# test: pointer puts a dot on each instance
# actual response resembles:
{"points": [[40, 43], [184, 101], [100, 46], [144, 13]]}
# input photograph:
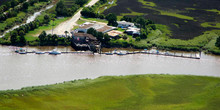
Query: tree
{"points": [[61, 9], [21, 33], [13, 38], [25, 5], [112, 19], [124, 37], [92, 31], [217, 44], [138, 39], [42, 37], [22, 40], [80, 2], [46, 19], [141, 21]]}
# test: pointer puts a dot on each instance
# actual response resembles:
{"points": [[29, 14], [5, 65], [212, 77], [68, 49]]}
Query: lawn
{"points": [[136, 92], [37, 31], [95, 19]]}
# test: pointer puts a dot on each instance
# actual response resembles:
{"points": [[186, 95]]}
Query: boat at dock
{"points": [[54, 52], [40, 52], [21, 51], [121, 53], [109, 53]]}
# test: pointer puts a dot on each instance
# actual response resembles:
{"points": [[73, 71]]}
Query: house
{"points": [[98, 27], [133, 31], [124, 24], [83, 41], [82, 38]]}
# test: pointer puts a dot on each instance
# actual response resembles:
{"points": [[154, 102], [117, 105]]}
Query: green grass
{"points": [[37, 31], [176, 15], [214, 10], [136, 92], [173, 13], [210, 24], [147, 3], [131, 13], [95, 19]]}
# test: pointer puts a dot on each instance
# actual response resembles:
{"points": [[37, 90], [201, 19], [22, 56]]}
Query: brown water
{"points": [[17, 71]]}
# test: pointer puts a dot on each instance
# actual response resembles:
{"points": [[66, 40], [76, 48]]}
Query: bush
{"points": [[217, 44]]}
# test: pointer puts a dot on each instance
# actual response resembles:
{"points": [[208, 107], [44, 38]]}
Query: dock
{"points": [[191, 56], [161, 54]]}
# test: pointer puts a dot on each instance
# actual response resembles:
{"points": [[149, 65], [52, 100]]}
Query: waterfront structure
{"points": [[83, 41]]}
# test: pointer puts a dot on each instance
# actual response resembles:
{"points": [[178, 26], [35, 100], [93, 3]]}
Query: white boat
{"points": [[115, 52], [54, 52], [121, 53], [21, 51]]}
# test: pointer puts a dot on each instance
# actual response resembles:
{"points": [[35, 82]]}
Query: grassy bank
{"points": [[137, 92]]}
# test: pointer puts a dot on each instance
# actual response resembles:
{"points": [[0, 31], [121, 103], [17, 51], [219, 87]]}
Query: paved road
{"points": [[68, 25]]}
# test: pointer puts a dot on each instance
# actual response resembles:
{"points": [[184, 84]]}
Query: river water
{"points": [[17, 71]]}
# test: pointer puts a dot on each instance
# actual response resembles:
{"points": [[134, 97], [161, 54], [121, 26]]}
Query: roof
{"points": [[97, 27], [114, 33], [104, 29], [125, 22], [84, 35]]}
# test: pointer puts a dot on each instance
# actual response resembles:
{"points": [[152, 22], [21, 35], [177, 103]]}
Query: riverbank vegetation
{"points": [[136, 92]]}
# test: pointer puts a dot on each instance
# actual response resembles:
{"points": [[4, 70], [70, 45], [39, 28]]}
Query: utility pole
{"points": [[52, 25]]}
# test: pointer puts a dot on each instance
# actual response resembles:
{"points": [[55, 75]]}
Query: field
{"points": [[137, 92], [186, 18]]}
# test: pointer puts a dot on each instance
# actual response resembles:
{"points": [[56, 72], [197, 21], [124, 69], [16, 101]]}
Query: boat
{"points": [[21, 51], [40, 52], [109, 53], [120, 53], [54, 52], [115, 51]]}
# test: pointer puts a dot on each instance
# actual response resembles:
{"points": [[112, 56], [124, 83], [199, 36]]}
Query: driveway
{"points": [[68, 25]]}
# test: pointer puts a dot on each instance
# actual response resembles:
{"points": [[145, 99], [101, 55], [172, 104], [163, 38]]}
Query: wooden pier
{"points": [[161, 54], [126, 53]]}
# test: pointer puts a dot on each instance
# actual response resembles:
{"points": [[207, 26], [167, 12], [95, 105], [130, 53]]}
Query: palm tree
{"points": [[66, 32]]}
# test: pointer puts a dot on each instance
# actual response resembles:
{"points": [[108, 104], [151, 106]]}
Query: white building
{"points": [[98, 27], [124, 24]]}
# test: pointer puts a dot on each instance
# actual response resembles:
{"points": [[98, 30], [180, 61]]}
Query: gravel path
{"points": [[68, 25]]}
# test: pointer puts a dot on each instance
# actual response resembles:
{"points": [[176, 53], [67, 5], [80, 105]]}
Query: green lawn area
{"points": [[32, 35], [136, 92], [95, 19]]}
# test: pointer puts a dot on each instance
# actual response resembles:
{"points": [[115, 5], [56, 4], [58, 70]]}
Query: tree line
{"points": [[103, 38], [53, 40]]}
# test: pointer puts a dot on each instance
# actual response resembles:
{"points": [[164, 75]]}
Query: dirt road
{"points": [[68, 25]]}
